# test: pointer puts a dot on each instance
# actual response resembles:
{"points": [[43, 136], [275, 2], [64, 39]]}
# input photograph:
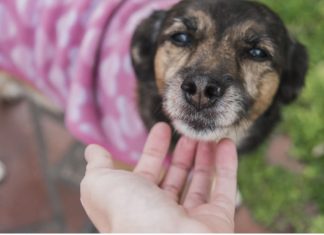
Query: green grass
{"points": [[279, 199]]}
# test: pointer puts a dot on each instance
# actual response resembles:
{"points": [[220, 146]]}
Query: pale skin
{"points": [[150, 198]]}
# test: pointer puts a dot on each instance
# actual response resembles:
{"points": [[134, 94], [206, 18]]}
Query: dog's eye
{"points": [[258, 54], [181, 39]]}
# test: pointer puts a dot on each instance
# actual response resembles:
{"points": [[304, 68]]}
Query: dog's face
{"points": [[219, 65]]}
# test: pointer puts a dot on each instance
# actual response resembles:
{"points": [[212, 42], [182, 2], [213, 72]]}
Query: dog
{"points": [[210, 68], [216, 69]]}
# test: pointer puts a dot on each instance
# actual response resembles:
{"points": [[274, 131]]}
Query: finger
{"points": [[178, 171], [201, 179], [97, 157], [224, 191], [155, 150]]}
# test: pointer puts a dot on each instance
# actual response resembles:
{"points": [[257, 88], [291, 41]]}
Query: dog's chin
{"points": [[223, 120], [200, 131]]}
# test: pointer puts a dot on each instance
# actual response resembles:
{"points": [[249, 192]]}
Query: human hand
{"points": [[143, 201]]}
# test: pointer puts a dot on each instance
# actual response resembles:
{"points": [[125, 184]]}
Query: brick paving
{"points": [[44, 166], [41, 190], [278, 154]]}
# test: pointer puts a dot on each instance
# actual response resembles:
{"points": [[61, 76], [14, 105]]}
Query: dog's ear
{"points": [[144, 44], [293, 77]]}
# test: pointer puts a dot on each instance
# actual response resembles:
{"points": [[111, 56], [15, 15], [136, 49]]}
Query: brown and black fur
{"points": [[250, 90]]}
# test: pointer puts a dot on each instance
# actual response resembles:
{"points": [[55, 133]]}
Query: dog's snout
{"points": [[201, 91]]}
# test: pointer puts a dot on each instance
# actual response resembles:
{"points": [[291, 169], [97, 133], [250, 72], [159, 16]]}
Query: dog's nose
{"points": [[201, 91]]}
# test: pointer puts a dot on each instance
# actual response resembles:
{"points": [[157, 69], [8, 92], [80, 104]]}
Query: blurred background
{"points": [[282, 183]]}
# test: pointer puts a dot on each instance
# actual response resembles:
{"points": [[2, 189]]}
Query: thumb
{"points": [[97, 157]]}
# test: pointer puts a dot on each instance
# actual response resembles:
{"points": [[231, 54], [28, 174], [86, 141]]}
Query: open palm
{"points": [[151, 200]]}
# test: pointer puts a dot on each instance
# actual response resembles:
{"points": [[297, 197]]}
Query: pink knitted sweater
{"points": [[77, 53]]}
